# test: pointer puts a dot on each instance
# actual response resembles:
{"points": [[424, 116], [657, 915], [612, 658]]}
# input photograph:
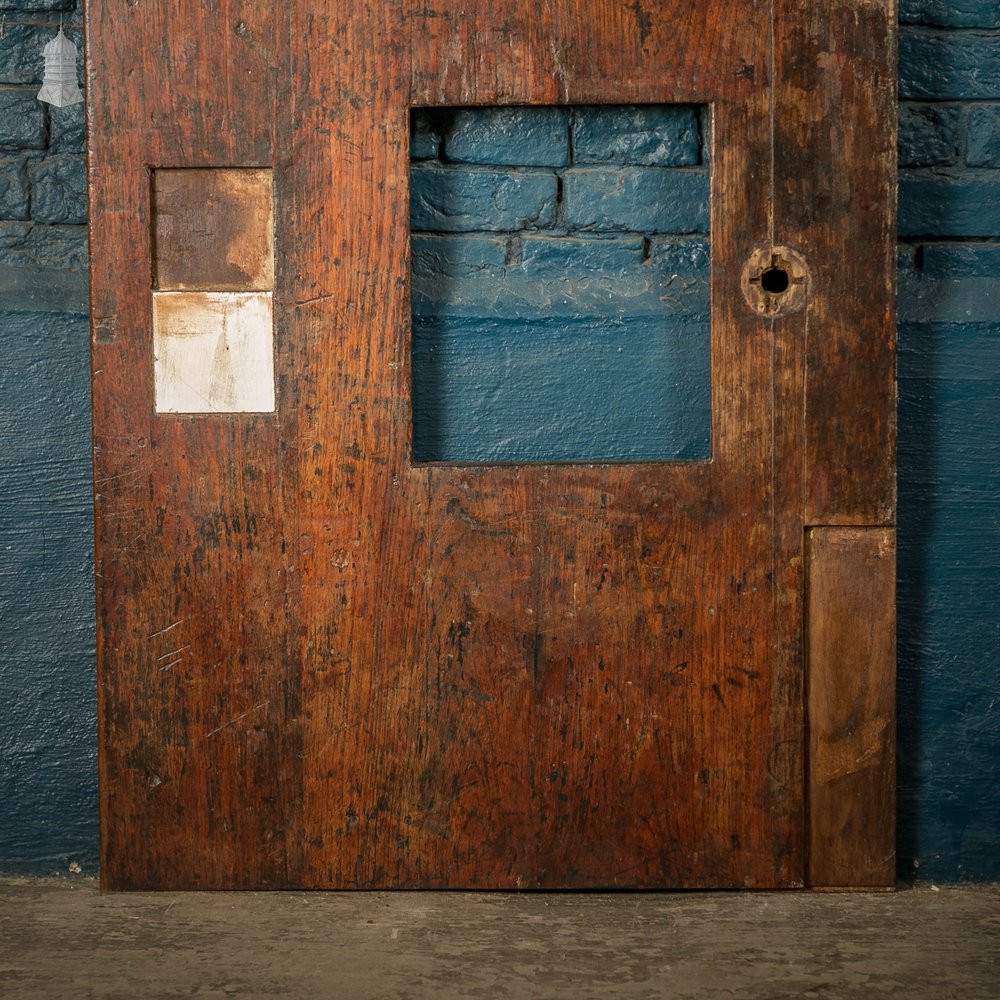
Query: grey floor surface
{"points": [[66, 940]]}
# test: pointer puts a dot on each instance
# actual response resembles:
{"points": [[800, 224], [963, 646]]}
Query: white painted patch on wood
{"points": [[213, 352]]}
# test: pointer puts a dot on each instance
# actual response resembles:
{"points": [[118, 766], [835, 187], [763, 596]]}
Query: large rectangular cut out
{"points": [[560, 284], [213, 276]]}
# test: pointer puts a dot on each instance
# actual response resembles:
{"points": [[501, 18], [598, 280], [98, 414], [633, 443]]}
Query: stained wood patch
{"points": [[213, 352], [213, 230], [851, 703]]}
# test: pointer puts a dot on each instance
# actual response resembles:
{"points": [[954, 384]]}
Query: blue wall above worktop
{"points": [[949, 386]]}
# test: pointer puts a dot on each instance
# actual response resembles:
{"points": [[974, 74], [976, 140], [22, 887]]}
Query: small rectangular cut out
{"points": [[213, 230], [213, 352], [560, 284]]}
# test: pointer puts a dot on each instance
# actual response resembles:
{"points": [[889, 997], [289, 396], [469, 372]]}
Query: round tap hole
{"points": [[775, 280]]}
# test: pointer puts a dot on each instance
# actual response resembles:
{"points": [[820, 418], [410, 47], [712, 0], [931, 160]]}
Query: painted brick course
{"points": [[59, 189], [949, 203], [14, 200], [637, 199], [953, 65], [983, 148], [523, 137], [66, 129], [960, 260], [446, 199], [22, 120], [929, 134], [43, 248], [644, 137], [951, 13], [36, 6], [609, 169], [535, 277]]}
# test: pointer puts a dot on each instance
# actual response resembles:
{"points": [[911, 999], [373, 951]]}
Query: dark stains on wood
{"points": [[835, 202], [505, 723], [213, 230], [444, 676], [198, 768]]}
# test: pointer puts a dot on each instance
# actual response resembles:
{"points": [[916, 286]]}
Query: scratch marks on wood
{"points": [[480, 685], [239, 718], [175, 656], [163, 631], [191, 510]]}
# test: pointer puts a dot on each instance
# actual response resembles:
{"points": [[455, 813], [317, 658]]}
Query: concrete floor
{"points": [[66, 940]]}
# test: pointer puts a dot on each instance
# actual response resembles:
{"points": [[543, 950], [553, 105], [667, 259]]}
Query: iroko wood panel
{"points": [[198, 768], [835, 199], [528, 675], [324, 665], [852, 707]]}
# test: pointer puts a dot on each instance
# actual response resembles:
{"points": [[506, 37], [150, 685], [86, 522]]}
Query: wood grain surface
{"points": [[835, 201], [852, 707], [324, 665], [198, 769]]}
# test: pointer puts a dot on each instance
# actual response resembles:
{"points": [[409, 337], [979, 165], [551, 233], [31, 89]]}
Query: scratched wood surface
{"points": [[323, 665], [535, 675], [852, 707], [835, 196], [197, 723], [834, 202]]}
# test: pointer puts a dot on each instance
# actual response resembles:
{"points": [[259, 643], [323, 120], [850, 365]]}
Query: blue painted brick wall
{"points": [[949, 448], [560, 308], [48, 770]]}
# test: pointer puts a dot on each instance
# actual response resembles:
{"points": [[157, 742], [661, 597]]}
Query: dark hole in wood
{"points": [[775, 280]]}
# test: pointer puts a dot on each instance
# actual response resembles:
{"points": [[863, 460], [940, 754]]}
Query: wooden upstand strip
{"points": [[851, 707]]}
